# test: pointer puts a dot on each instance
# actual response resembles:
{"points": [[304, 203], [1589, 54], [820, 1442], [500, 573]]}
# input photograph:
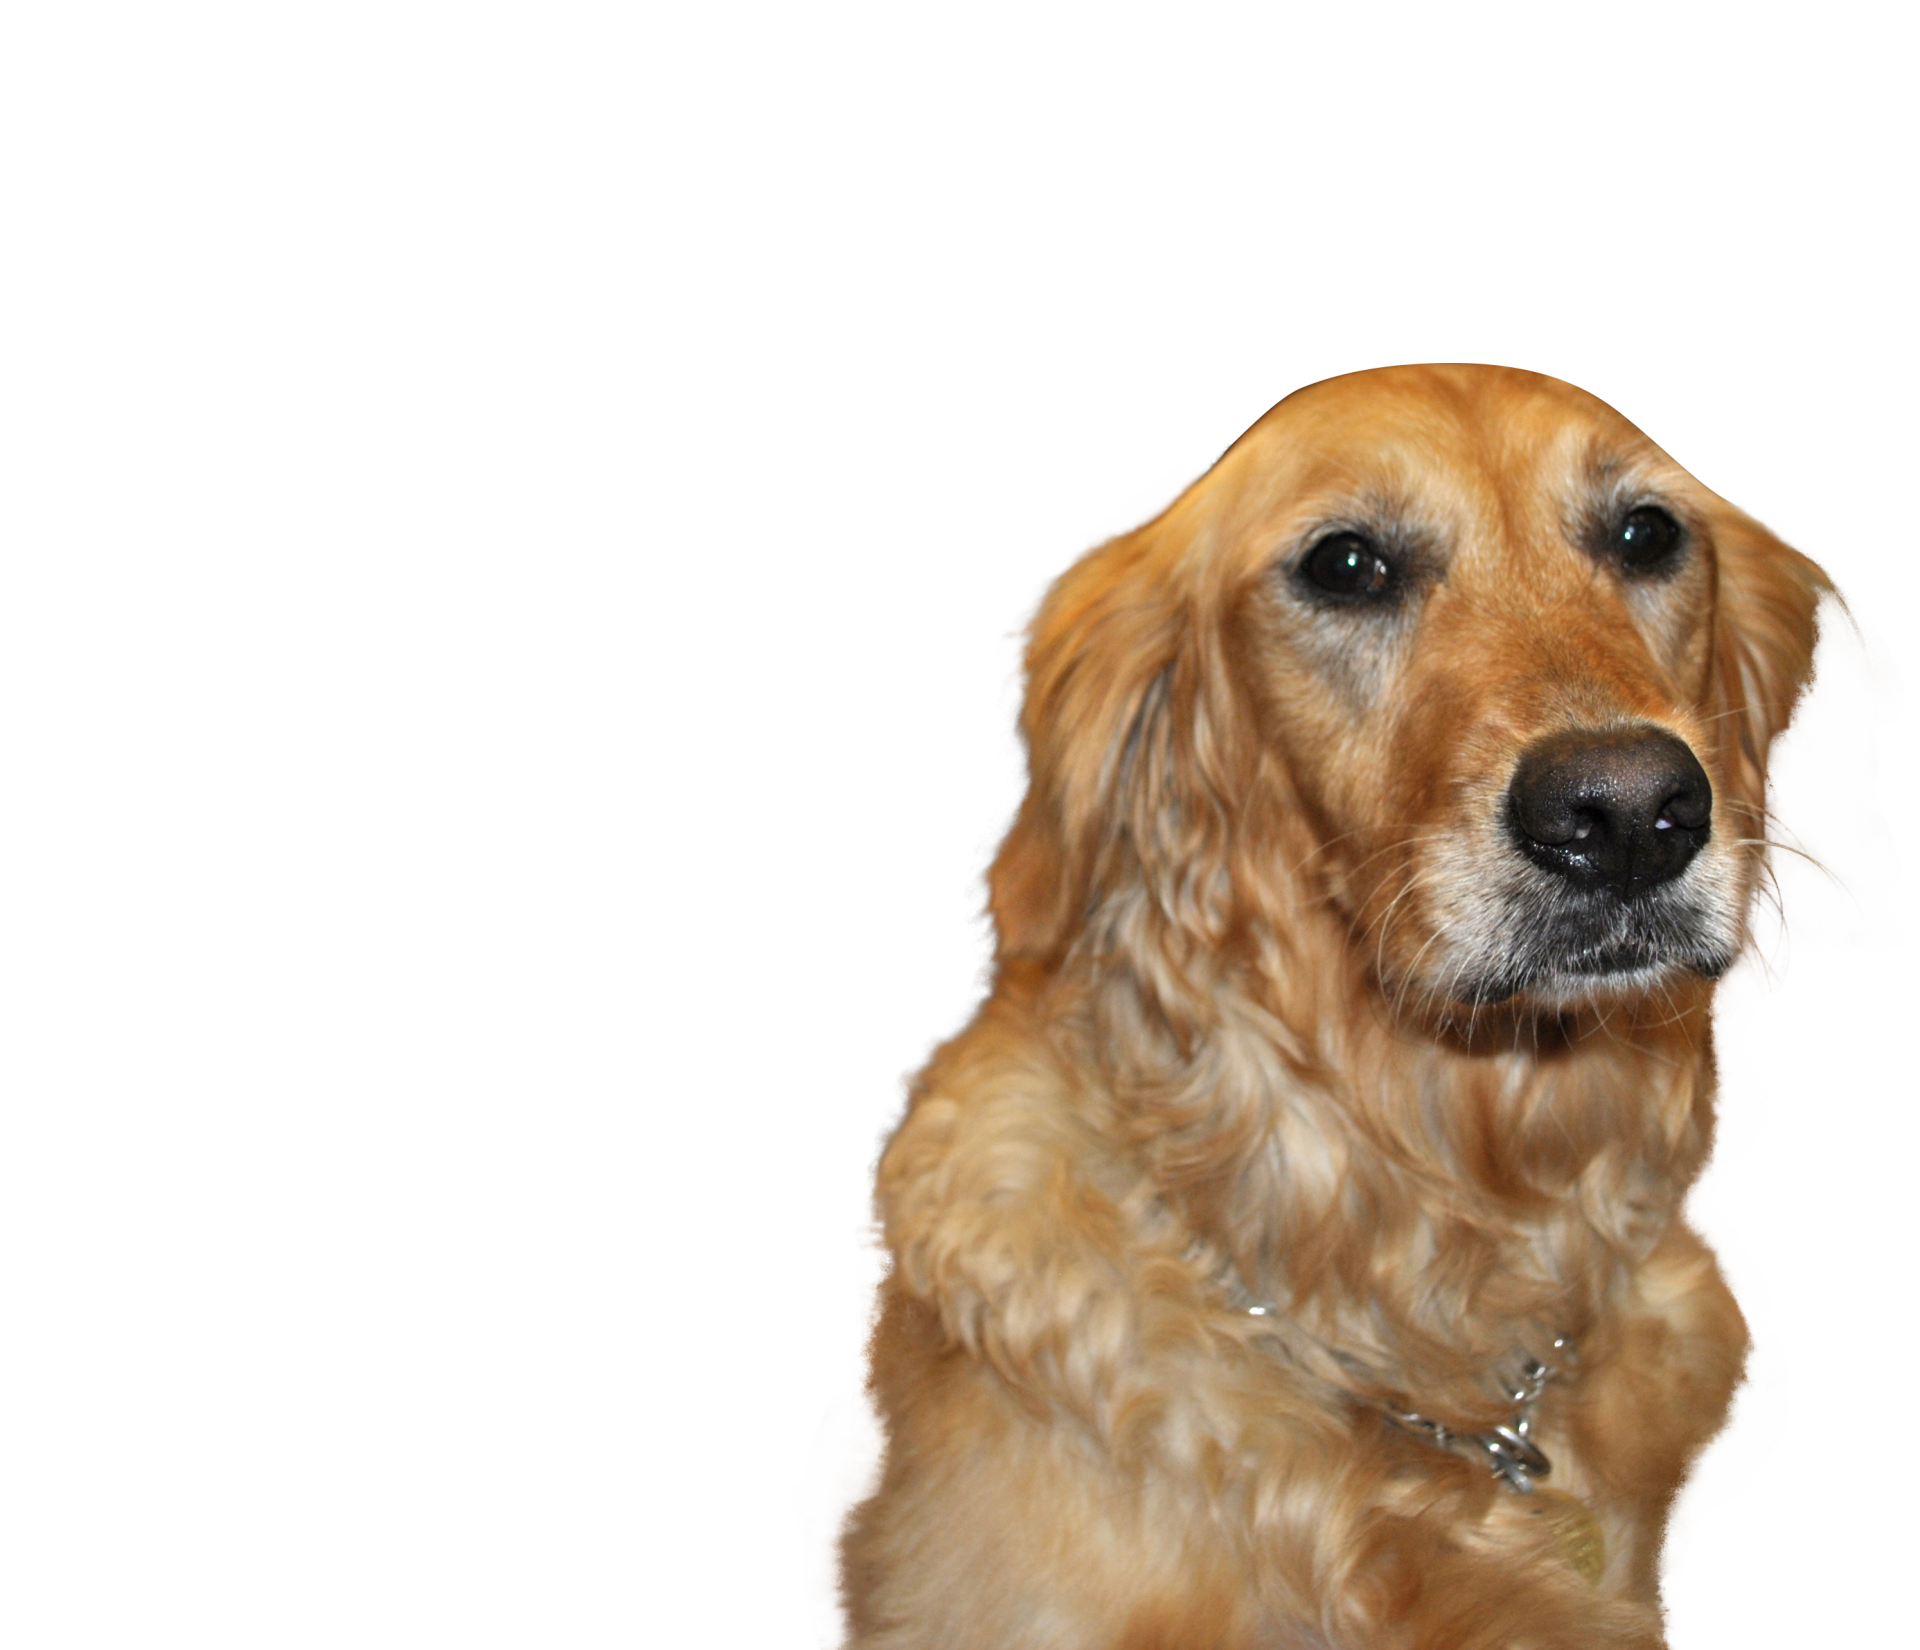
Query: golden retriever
{"points": [[1290, 1251]]}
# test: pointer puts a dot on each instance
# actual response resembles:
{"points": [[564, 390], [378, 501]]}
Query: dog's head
{"points": [[1454, 653]]}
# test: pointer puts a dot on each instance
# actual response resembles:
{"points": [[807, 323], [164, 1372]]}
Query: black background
{"points": [[930, 473]]}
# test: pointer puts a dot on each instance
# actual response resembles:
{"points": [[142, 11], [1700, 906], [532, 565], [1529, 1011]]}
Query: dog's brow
{"points": [[1398, 518], [1609, 485]]}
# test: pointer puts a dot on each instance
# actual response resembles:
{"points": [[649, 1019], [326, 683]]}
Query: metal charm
{"points": [[1510, 1452]]}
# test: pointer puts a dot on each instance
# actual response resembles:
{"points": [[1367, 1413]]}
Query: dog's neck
{"points": [[1424, 1204]]}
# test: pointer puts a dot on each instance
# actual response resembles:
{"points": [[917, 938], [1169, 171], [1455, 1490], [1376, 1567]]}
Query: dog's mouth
{"points": [[1560, 951], [1604, 964], [1500, 928], [1587, 979]]}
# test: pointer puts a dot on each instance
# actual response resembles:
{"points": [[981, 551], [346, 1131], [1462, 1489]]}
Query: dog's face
{"points": [[1516, 667], [1484, 638]]}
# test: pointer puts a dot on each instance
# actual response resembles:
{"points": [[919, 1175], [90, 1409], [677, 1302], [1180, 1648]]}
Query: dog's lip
{"points": [[1601, 965], [1602, 961], [1557, 977], [1638, 957], [1582, 970]]}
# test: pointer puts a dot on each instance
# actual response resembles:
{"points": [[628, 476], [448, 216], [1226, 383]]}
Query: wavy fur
{"points": [[1240, 1044]]}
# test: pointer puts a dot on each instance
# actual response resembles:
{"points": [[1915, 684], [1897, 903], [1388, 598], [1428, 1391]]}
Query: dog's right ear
{"points": [[1126, 737]]}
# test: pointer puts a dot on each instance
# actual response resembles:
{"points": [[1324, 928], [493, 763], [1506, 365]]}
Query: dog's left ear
{"points": [[1764, 633]]}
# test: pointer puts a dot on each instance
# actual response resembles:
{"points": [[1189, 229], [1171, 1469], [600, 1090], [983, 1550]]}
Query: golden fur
{"points": [[1241, 1044]]}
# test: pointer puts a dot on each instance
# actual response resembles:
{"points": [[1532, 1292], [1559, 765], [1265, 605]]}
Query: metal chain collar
{"points": [[1508, 1450]]}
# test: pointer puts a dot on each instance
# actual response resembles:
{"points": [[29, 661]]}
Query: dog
{"points": [[1290, 1252]]}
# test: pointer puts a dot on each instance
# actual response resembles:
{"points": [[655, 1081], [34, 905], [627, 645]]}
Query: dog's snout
{"points": [[1623, 811]]}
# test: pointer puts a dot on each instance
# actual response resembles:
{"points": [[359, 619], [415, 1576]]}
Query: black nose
{"points": [[1625, 811]]}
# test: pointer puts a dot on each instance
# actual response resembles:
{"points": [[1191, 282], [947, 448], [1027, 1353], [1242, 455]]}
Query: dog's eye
{"points": [[1647, 540], [1349, 566]]}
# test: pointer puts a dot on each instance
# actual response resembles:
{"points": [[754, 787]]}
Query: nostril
{"points": [[1689, 809]]}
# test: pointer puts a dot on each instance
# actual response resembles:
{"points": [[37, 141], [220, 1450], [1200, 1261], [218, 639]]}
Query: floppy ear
{"points": [[1764, 631], [1127, 750]]}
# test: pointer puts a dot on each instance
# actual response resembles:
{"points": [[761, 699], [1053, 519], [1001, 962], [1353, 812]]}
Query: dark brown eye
{"points": [[1648, 540], [1350, 567]]}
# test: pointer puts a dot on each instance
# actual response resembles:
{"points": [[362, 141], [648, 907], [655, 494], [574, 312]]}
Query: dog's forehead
{"points": [[1462, 429], [1464, 439]]}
